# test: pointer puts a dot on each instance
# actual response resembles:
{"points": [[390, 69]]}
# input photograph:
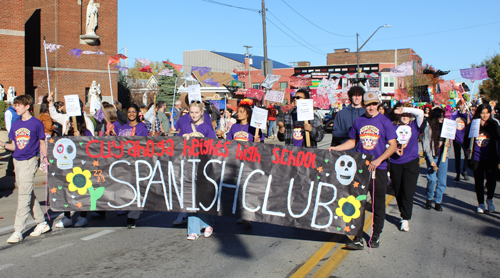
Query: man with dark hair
{"points": [[122, 117], [463, 118], [293, 131], [161, 106], [345, 117]]}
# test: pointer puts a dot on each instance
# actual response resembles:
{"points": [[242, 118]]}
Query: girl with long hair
{"points": [[434, 150], [242, 131], [485, 157]]}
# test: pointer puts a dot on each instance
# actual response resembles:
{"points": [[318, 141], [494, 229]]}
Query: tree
{"points": [[422, 79], [491, 86], [167, 88], [123, 90], [134, 72]]}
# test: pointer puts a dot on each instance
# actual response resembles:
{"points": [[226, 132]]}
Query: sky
{"points": [[450, 35]]}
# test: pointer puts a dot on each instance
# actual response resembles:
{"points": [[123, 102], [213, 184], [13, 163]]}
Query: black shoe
{"points": [[375, 241], [466, 177], [130, 223], [438, 207], [10, 173], [355, 244], [457, 178], [428, 204]]}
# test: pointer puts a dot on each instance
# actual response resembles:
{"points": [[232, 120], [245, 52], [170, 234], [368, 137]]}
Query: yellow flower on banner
{"points": [[348, 208], [79, 180]]}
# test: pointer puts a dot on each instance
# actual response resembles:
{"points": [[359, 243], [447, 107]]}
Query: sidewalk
{"points": [[8, 182]]}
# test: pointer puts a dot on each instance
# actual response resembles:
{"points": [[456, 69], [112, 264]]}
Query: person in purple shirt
{"points": [[242, 131], [462, 117], [28, 139], [404, 162], [373, 131], [198, 127], [133, 127], [485, 156]]}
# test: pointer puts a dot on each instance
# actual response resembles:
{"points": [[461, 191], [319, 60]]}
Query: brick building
{"points": [[23, 25]]}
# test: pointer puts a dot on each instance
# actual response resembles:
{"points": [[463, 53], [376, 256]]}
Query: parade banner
{"points": [[290, 186]]}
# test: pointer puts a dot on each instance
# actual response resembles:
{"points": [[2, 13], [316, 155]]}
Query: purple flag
{"points": [[121, 68], [75, 51], [167, 72], [99, 115], [52, 47], [201, 70], [474, 73], [88, 52], [211, 82], [216, 104], [144, 62]]}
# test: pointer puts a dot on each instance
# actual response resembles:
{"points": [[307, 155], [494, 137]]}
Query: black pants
{"points": [[489, 171], [404, 181], [458, 147], [378, 199]]}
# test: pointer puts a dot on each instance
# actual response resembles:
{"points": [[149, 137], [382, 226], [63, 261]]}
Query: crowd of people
{"points": [[391, 135]]}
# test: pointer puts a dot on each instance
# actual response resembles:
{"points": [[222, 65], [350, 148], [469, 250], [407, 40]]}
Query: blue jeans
{"points": [[198, 221], [270, 129], [438, 177]]}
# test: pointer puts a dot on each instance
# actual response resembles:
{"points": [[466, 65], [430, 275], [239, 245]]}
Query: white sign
{"points": [[449, 129], [72, 103], [150, 115], [275, 96], [259, 118], [474, 128], [194, 93], [305, 110]]}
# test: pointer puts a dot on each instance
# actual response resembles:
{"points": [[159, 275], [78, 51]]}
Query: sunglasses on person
{"points": [[195, 101], [299, 97]]}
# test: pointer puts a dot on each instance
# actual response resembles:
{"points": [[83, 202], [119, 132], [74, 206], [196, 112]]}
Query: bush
{"points": [[3, 106], [94, 122]]}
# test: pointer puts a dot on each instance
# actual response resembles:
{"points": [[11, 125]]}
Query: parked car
{"points": [[328, 121]]}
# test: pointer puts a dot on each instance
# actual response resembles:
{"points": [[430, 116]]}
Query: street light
{"points": [[359, 48]]}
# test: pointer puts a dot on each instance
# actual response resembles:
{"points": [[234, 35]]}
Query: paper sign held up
{"points": [[72, 103], [305, 110], [275, 96], [259, 118], [194, 93], [449, 129], [474, 128]]}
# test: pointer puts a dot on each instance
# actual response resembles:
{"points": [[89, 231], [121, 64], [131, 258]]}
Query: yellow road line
{"points": [[335, 259]]}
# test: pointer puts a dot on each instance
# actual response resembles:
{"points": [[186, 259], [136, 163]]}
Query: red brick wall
{"points": [[12, 47]]}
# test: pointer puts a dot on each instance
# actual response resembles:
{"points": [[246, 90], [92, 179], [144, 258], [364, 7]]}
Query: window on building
{"points": [[256, 85], [243, 86], [389, 82], [87, 97], [283, 86]]}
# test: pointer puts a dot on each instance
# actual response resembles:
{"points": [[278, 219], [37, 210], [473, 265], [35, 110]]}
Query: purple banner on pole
{"points": [[474, 73]]}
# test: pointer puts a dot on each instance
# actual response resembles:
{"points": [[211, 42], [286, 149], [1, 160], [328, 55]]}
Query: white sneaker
{"points": [[64, 223], [81, 222], [481, 208], [491, 206], [16, 237], [40, 229], [182, 218], [405, 225]]}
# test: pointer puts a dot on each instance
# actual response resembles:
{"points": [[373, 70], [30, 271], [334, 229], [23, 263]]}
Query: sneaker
{"points": [[40, 229], [375, 241], [491, 206], [481, 208], [192, 237], [438, 207], [16, 237], [355, 244], [457, 178], [405, 226], [182, 218], [466, 177], [208, 231], [130, 223], [64, 223], [81, 222]]}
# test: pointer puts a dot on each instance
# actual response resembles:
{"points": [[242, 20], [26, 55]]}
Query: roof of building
{"points": [[256, 60]]}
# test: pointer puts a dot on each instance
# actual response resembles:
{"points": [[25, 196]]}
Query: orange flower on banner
{"points": [[356, 184], [320, 169], [79, 205], [53, 190], [347, 229]]}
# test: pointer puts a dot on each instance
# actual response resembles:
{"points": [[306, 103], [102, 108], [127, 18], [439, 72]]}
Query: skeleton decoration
{"points": [[404, 134], [65, 153], [345, 168]]}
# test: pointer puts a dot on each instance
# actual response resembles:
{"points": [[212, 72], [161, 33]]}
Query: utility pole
{"points": [[265, 36], [249, 75]]}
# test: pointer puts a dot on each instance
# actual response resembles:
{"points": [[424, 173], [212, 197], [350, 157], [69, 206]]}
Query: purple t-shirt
{"points": [[126, 130], [88, 133], [245, 133], [481, 146], [205, 128], [372, 134], [26, 136], [461, 123], [187, 119], [407, 138]]}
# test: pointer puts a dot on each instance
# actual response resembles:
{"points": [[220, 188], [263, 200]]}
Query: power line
{"points": [[313, 23], [231, 6], [294, 38], [324, 53]]}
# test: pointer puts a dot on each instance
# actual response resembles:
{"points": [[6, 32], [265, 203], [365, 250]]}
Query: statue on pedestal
{"points": [[95, 97], [11, 94], [90, 36]]}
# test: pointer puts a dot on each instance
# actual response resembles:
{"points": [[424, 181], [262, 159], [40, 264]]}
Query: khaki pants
{"points": [[26, 199]]}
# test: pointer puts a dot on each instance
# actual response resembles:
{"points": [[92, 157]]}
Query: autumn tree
{"points": [[420, 79], [491, 85], [134, 73], [167, 87]]}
